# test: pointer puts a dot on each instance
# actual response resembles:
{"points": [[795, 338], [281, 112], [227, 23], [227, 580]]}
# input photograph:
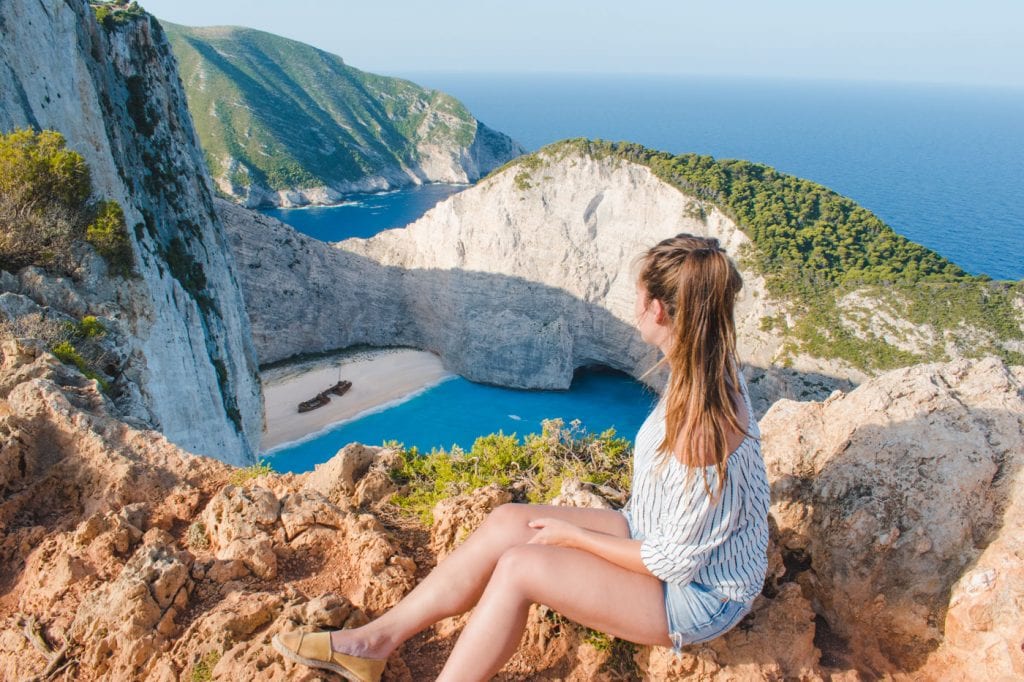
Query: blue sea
{"points": [[364, 215], [943, 166]]}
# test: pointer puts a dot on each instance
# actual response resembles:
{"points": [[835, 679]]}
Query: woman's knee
{"points": [[520, 566], [508, 516]]}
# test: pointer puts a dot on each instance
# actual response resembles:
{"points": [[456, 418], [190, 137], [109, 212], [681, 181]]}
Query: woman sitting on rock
{"points": [[680, 565]]}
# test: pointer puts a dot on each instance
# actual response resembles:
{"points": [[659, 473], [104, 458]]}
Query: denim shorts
{"points": [[696, 613]]}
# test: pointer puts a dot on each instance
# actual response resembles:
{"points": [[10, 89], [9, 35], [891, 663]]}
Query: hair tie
{"points": [[707, 250]]}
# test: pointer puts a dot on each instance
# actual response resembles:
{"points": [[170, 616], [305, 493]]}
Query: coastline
{"points": [[345, 197], [381, 377]]}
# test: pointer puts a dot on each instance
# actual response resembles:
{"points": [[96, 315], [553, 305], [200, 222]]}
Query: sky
{"points": [[979, 42]]}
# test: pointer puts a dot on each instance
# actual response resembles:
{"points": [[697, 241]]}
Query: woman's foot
{"points": [[357, 642], [315, 650]]}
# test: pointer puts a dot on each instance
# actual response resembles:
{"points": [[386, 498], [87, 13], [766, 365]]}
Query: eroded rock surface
{"points": [[133, 559], [895, 491], [126, 558]]}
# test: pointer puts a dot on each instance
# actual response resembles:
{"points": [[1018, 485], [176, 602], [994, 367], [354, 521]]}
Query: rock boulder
{"points": [[893, 491]]}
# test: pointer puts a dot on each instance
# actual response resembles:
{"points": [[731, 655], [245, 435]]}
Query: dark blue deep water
{"points": [[942, 165], [364, 215]]}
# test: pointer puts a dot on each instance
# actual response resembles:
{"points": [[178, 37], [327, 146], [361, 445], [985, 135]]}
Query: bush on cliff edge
{"points": [[45, 207]]}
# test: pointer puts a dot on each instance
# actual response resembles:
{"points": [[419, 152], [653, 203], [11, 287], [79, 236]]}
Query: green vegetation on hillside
{"points": [[45, 207], [282, 114], [535, 466], [814, 246]]}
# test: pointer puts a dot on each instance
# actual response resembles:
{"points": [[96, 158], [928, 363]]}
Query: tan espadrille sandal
{"points": [[314, 649]]}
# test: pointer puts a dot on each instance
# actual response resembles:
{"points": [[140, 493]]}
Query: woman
{"points": [[680, 565]]}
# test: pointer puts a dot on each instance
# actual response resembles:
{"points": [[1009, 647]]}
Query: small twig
{"points": [[30, 629], [67, 664], [55, 664], [56, 660]]}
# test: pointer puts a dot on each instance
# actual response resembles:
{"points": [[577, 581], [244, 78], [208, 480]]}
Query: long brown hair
{"points": [[697, 284]]}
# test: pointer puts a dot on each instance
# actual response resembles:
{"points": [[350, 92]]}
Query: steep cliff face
{"points": [[283, 123], [112, 90], [516, 281]]}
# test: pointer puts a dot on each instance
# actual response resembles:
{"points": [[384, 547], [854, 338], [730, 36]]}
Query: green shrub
{"points": [[113, 13], [202, 671], [108, 234], [45, 207], [90, 328], [69, 355], [535, 467], [44, 190], [37, 170], [242, 475]]}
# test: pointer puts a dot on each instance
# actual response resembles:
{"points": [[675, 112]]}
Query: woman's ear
{"points": [[660, 313]]}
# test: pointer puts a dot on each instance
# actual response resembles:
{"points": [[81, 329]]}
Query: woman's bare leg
{"points": [[581, 586], [455, 585]]}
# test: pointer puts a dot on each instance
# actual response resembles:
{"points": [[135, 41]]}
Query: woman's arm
{"points": [[623, 552]]}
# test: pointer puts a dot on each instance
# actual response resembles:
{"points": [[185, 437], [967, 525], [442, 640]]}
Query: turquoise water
{"points": [[457, 411]]}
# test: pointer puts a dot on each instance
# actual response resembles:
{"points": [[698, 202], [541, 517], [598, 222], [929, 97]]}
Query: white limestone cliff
{"points": [[516, 281], [115, 96]]}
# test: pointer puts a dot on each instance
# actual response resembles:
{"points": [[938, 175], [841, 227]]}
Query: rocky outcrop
{"points": [[124, 557], [517, 281], [982, 624], [455, 518], [904, 496], [895, 545], [112, 90], [358, 476]]}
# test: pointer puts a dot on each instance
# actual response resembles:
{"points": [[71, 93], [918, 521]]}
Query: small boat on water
{"points": [[319, 400], [340, 388]]}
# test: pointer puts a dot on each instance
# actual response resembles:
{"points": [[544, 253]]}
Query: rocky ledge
{"points": [[897, 513]]}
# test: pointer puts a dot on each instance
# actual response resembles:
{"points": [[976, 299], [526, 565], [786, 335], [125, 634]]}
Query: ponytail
{"points": [[697, 283]]}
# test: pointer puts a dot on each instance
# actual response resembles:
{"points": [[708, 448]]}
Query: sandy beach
{"points": [[378, 377]]}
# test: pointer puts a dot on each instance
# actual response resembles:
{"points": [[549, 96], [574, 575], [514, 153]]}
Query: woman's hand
{"points": [[555, 532], [623, 552]]}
